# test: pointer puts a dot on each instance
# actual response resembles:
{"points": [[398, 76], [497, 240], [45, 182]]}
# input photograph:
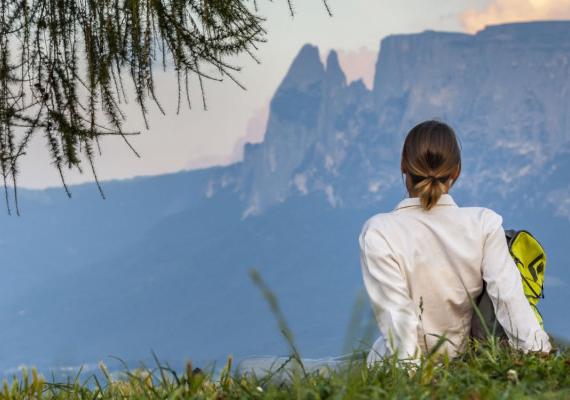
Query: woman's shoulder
{"points": [[381, 224], [378, 220], [487, 217], [375, 228]]}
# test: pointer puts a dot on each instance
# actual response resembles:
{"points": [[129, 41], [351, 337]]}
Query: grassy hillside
{"points": [[486, 371]]}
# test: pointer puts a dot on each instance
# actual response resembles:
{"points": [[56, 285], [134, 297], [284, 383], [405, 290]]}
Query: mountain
{"points": [[163, 263]]}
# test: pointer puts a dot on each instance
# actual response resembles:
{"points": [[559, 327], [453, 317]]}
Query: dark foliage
{"points": [[63, 63]]}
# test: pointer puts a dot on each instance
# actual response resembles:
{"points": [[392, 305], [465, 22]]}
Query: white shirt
{"points": [[420, 268]]}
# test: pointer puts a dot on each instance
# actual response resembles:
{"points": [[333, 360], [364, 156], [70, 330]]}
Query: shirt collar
{"points": [[444, 200]]}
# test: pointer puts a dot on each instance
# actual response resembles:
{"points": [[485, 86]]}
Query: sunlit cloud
{"points": [[358, 64], [503, 11]]}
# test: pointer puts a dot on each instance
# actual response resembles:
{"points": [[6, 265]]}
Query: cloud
{"points": [[503, 11], [357, 64], [560, 199]]}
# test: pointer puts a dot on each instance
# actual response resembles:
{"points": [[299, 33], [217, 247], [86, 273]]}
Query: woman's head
{"points": [[431, 160]]}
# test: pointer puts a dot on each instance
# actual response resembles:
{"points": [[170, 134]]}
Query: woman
{"points": [[425, 261]]}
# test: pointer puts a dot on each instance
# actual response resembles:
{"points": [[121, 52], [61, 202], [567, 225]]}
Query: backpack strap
{"points": [[510, 235]]}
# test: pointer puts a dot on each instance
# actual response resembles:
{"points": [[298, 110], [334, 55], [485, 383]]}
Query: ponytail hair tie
{"points": [[417, 178]]}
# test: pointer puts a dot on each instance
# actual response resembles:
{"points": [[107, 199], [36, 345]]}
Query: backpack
{"points": [[530, 259]]}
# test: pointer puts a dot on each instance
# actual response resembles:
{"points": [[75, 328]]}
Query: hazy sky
{"points": [[198, 138]]}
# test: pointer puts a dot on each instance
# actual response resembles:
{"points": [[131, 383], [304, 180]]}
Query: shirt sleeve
{"points": [[504, 287], [389, 295]]}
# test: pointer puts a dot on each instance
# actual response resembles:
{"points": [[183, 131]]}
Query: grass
{"points": [[487, 370]]}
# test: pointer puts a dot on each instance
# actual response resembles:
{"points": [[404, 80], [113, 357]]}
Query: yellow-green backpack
{"points": [[530, 258]]}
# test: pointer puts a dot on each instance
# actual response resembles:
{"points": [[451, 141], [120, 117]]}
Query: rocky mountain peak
{"points": [[334, 73], [344, 140], [305, 69]]}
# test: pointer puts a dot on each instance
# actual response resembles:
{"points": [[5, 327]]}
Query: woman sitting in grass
{"points": [[424, 262]]}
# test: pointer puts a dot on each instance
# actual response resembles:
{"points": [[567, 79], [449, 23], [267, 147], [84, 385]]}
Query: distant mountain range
{"points": [[163, 263]]}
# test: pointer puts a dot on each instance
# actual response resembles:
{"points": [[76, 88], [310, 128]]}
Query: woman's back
{"points": [[439, 254], [423, 268]]}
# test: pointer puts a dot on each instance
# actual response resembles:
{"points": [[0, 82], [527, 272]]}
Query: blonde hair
{"points": [[430, 156]]}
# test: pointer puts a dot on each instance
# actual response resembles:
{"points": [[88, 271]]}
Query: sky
{"points": [[198, 138]]}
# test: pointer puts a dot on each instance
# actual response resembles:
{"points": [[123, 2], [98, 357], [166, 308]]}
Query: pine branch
{"points": [[63, 65]]}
